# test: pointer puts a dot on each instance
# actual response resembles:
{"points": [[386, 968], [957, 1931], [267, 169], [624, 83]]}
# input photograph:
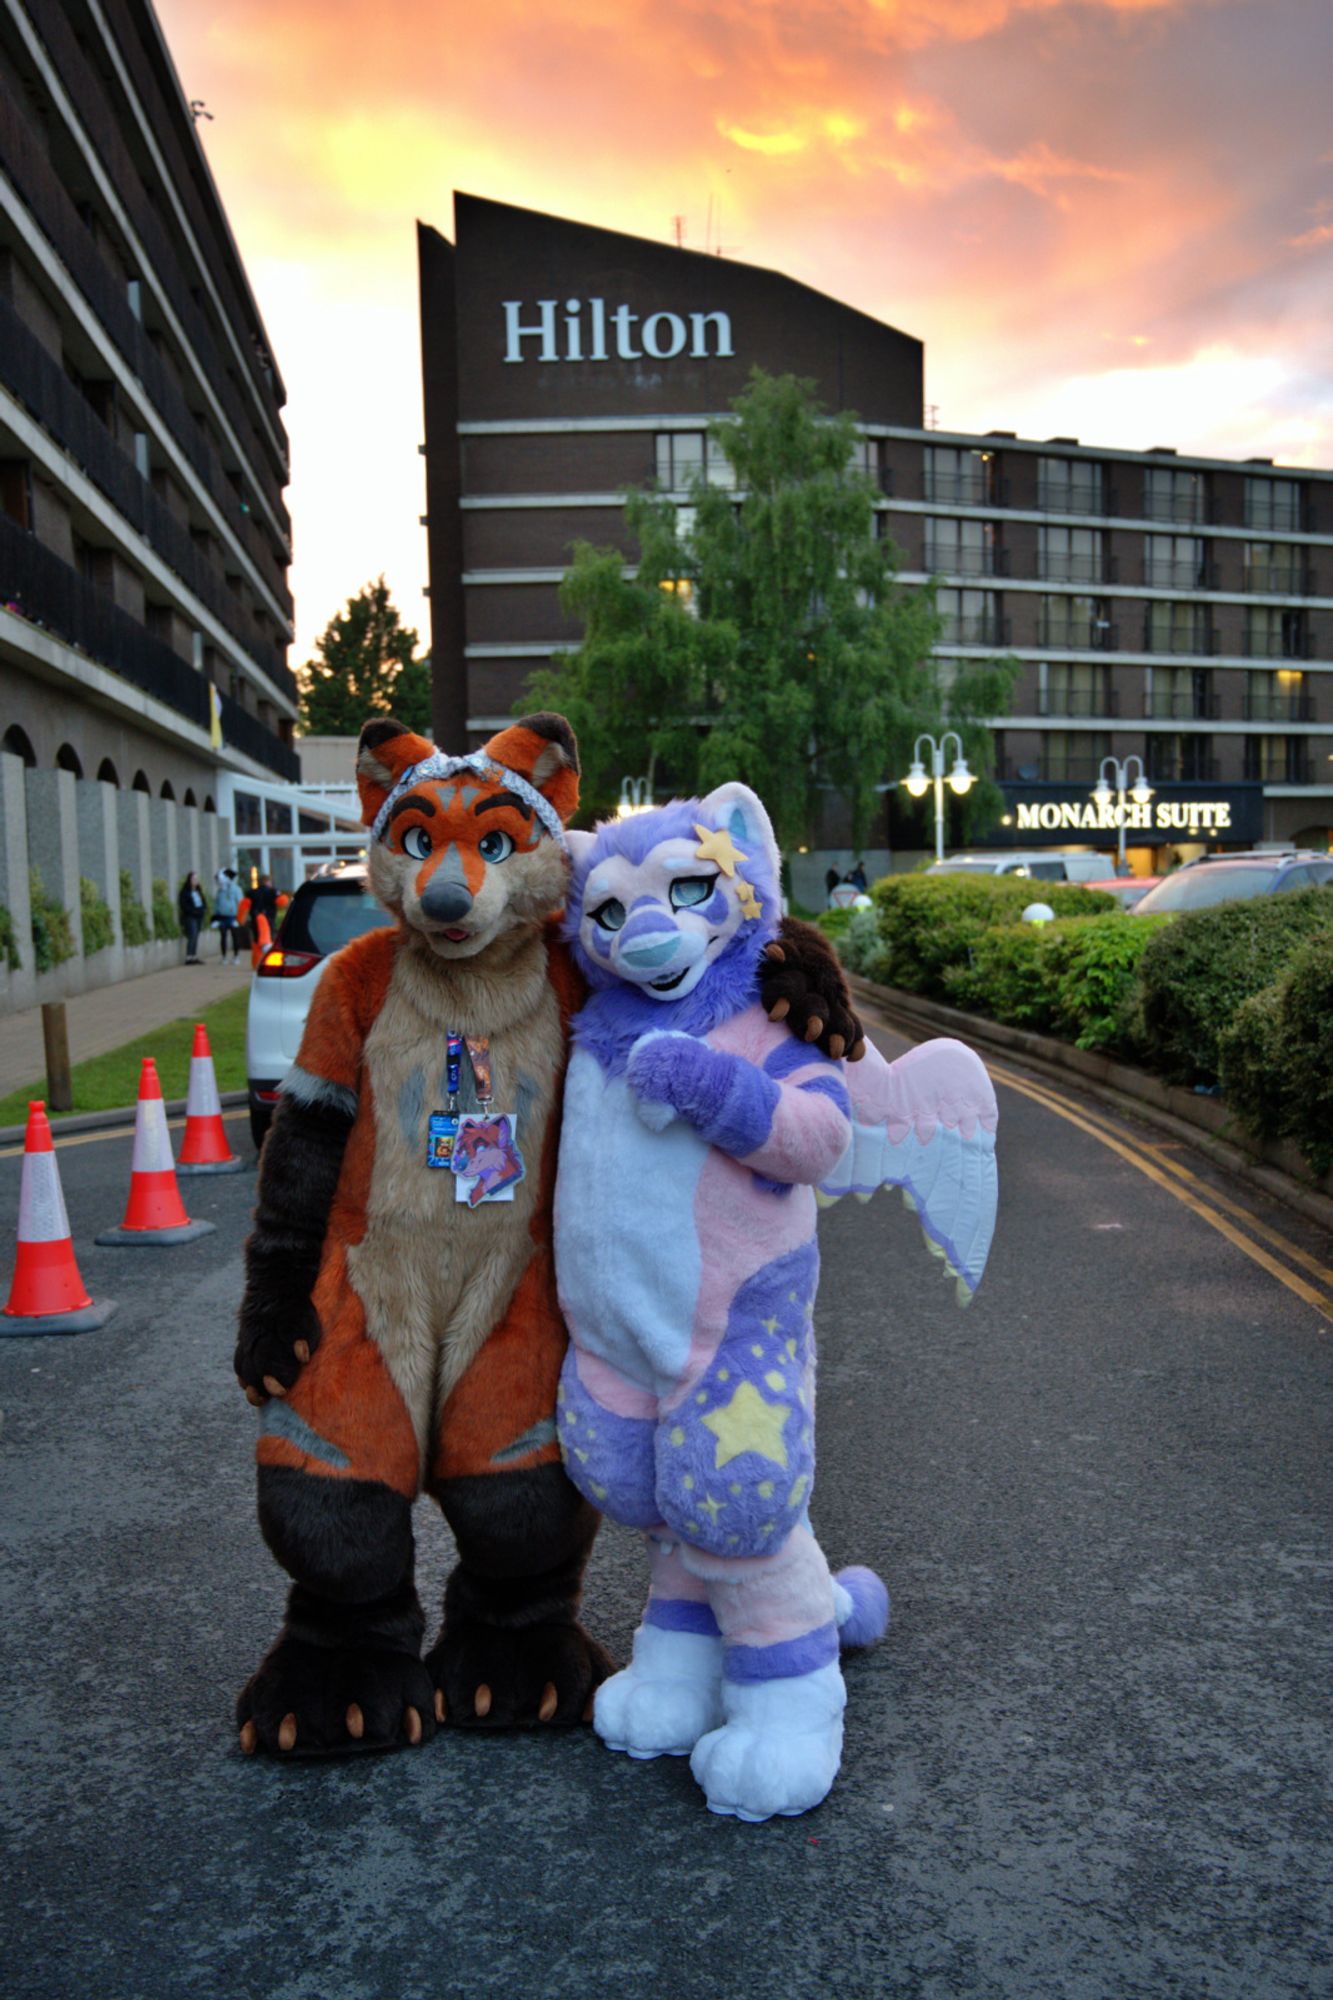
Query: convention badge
{"points": [[487, 1163], [442, 1131]]}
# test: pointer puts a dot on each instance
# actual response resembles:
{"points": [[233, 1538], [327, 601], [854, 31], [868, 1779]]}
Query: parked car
{"points": [[326, 912], [1225, 878], [1127, 889], [1041, 865]]}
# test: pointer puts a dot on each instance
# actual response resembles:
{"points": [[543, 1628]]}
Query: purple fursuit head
{"points": [[695, 1134]]}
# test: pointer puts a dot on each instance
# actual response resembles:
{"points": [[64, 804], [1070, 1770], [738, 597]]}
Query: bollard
{"points": [[55, 1040]]}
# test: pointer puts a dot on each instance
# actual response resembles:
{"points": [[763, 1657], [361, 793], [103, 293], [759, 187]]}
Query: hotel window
{"points": [[1081, 622], [1172, 495], [1178, 760], [957, 477], [1070, 486], [1177, 628], [246, 813], [970, 617], [1180, 694], [1277, 697], [1073, 756], [1173, 562], [867, 459], [1273, 504], [1274, 569], [684, 456], [1075, 687], [960, 548], [1071, 555], [1274, 634], [1277, 760]]}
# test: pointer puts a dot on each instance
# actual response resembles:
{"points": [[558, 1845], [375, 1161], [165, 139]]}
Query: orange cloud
{"points": [[1033, 187]]}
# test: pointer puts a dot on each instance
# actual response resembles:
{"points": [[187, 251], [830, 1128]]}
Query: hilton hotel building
{"points": [[1173, 608]]}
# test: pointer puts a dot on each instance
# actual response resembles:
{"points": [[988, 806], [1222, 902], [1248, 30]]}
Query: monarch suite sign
{"points": [[1059, 813]]}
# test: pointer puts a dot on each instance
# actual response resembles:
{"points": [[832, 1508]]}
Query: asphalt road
{"points": [[1088, 1761]]}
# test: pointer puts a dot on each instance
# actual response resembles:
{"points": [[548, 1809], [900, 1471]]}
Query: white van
{"points": [[1043, 864]]}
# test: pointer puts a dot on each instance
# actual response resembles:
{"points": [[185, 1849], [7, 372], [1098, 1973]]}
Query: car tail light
{"points": [[280, 964], [265, 1095]]}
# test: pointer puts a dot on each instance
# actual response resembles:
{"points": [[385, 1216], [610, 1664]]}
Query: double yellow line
{"points": [[1264, 1246], [125, 1131], [1244, 1230]]}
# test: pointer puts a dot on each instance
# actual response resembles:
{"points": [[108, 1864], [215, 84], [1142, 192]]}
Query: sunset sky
{"points": [[1111, 219]]}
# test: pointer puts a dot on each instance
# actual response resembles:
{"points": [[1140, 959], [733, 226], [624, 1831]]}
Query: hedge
{"points": [[1201, 968], [98, 929], [9, 947], [1073, 978], [52, 932], [166, 923], [929, 924], [134, 925], [1277, 1055]]}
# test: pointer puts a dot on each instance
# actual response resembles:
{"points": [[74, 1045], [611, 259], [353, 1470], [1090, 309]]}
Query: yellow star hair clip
{"points": [[718, 847], [751, 906]]}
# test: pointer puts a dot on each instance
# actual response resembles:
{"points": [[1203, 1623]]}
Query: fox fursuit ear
{"points": [[735, 809], [385, 749], [542, 749]]}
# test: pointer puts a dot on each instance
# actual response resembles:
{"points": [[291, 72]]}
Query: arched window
{"points": [[106, 772], [141, 783], [17, 744], [67, 759], [209, 806], [190, 799], [167, 792]]}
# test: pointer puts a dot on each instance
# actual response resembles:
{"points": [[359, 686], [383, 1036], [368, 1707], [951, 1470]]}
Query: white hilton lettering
{"points": [[535, 332]]}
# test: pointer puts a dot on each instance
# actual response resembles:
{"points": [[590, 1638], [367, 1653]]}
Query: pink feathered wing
{"points": [[926, 1123]]}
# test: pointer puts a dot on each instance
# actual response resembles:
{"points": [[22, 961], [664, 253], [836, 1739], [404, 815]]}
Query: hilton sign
{"points": [[556, 335], [1054, 813]]}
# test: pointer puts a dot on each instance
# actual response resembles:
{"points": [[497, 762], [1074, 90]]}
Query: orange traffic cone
{"points": [[205, 1149], [263, 938], [156, 1213], [47, 1295]]}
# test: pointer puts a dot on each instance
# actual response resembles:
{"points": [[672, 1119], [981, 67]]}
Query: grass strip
{"points": [[106, 1082]]}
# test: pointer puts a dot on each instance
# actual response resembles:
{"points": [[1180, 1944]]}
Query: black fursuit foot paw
{"points": [[318, 1701], [496, 1677]]}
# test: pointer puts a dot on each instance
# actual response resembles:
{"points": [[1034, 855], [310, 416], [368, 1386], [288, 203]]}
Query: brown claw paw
{"points": [[481, 1701]]}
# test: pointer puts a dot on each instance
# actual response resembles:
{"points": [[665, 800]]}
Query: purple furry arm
{"points": [[728, 1101]]}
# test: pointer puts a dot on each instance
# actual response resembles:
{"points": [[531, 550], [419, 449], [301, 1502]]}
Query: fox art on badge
{"points": [[400, 1330], [687, 1396]]}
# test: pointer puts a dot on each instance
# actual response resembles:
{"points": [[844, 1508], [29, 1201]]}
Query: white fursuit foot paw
{"points": [[666, 1698], [780, 1747]]}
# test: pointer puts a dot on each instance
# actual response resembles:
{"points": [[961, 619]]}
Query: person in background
{"points": [[192, 908], [226, 904], [857, 876], [264, 902], [830, 884]]}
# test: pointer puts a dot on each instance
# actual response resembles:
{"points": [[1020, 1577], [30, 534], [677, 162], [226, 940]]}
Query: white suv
{"points": [[1049, 864], [326, 912]]}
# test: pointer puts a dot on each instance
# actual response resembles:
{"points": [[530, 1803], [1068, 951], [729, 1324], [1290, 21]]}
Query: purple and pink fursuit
{"points": [[696, 1138]]}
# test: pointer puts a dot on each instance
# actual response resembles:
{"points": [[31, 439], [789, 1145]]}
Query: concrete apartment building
{"points": [[1173, 608], [145, 614]]}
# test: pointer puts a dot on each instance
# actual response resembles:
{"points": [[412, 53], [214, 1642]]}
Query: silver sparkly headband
{"points": [[439, 766]]}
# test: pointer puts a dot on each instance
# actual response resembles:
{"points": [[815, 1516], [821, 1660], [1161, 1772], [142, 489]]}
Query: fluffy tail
{"points": [[862, 1607]]}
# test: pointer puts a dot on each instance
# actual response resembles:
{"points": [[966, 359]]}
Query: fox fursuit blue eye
{"points": [[416, 842], [691, 890], [495, 845], [610, 916]]}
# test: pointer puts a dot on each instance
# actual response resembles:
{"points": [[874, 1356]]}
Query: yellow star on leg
{"points": [[712, 1508], [718, 847], [748, 1423]]}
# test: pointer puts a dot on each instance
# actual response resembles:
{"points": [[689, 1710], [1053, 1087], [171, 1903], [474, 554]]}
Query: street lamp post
{"points": [[1140, 792], [635, 797], [961, 780]]}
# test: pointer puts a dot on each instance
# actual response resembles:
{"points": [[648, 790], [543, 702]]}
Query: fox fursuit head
{"points": [[695, 1137], [465, 849]]}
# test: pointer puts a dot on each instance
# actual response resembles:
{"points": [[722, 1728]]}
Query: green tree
{"points": [[366, 664], [764, 635]]}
